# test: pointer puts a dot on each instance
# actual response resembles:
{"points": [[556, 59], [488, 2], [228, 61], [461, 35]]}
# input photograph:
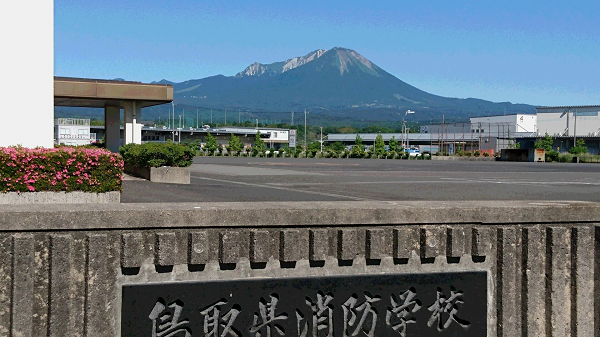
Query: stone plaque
{"points": [[441, 304]]}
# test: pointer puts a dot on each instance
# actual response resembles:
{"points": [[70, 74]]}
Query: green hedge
{"points": [[60, 169], [157, 154]]}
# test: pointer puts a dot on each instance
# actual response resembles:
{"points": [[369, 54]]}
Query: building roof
{"points": [[369, 137], [97, 93], [561, 109]]}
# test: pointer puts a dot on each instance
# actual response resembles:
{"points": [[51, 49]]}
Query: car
{"points": [[412, 152]]}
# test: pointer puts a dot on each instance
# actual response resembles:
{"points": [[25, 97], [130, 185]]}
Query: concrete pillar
{"points": [[112, 131], [132, 131]]}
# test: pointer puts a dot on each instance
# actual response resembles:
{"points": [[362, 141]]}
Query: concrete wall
{"points": [[27, 72], [62, 267]]}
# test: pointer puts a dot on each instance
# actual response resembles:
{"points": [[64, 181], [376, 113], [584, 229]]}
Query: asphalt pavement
{"points": [[232, 179]]}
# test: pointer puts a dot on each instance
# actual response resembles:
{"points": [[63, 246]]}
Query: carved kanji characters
{"points": [[401, 309], [166, 320], [267, 318], [449, 306], [366, 308], [213, 321], [322, 316]]}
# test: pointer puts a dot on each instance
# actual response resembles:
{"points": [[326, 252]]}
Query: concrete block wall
{"points": [[59, 278]]}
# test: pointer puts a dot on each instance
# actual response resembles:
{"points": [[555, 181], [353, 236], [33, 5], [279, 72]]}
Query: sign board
{"points": [[292, 138], [439, 304]]}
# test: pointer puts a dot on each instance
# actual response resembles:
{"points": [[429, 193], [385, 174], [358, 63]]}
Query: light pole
{"points": [[257, 124]]}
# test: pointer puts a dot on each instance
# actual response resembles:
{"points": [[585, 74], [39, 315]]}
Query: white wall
{"points": [[554, 125], [527, 123], [503, 124], [27, 69]]}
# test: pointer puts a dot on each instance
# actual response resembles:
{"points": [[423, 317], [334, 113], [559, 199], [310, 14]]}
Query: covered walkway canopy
{"points": [[113, 95]]}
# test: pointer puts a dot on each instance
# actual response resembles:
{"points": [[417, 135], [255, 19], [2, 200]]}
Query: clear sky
{"points": [[534, 52]]}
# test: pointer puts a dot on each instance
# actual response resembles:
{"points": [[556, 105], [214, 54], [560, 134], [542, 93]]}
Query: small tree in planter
{"points": [[476, 153], [259, 147], [358, 150], [235, 144], [211, 144], [393, 144]]}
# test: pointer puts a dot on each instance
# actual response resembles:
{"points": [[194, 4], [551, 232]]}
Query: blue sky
{"points": [[534, 52]]}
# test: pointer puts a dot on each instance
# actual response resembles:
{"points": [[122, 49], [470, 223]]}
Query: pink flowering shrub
{"points": [[60, 169]]}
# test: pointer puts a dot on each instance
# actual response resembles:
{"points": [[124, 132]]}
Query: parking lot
{"points": [[229, 179]]}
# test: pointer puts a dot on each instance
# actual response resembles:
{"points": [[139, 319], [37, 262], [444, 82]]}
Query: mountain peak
{"points": [[274, 69]]}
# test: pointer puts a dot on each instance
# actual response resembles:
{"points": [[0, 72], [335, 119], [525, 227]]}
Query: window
{"points": [[64, 131], [83, 132]]}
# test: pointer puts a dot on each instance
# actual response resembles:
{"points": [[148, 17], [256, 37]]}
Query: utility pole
{"points": [[196, 118], [305, 143], [575, 129], [239, 115], [225, 116], [173, 124], [183, 119], [321, 139], [210, 116], [292, 118]]}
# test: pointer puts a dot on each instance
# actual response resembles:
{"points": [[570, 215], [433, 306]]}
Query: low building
{"points": [[72, 131], [426, 142], [273, 137]]}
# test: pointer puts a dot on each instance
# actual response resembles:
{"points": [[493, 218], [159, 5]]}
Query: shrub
{"points": [[157, 154], [469, 154], [60, 169], [551, 155], [589, 158], [580, 147], [485, 154]]}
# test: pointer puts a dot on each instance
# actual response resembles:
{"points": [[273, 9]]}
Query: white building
{"points": [[499, 132], [504, 125], [580, 121], [71, 131]]}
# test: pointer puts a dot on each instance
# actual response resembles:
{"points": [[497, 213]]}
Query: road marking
{"points": [[284, 188], [547, 204]]}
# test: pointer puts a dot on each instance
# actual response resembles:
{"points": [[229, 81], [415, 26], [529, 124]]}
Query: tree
{"points": [[358, 150], [379, 147], [393, 144], [235, 144], [514, 145], [211, 143], [259, 144], [337, 147], [544, 143], [579, 148], [313, 147]]}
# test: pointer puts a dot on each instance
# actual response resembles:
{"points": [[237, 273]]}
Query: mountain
{"points": [[337, 81], [337, 86]]}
